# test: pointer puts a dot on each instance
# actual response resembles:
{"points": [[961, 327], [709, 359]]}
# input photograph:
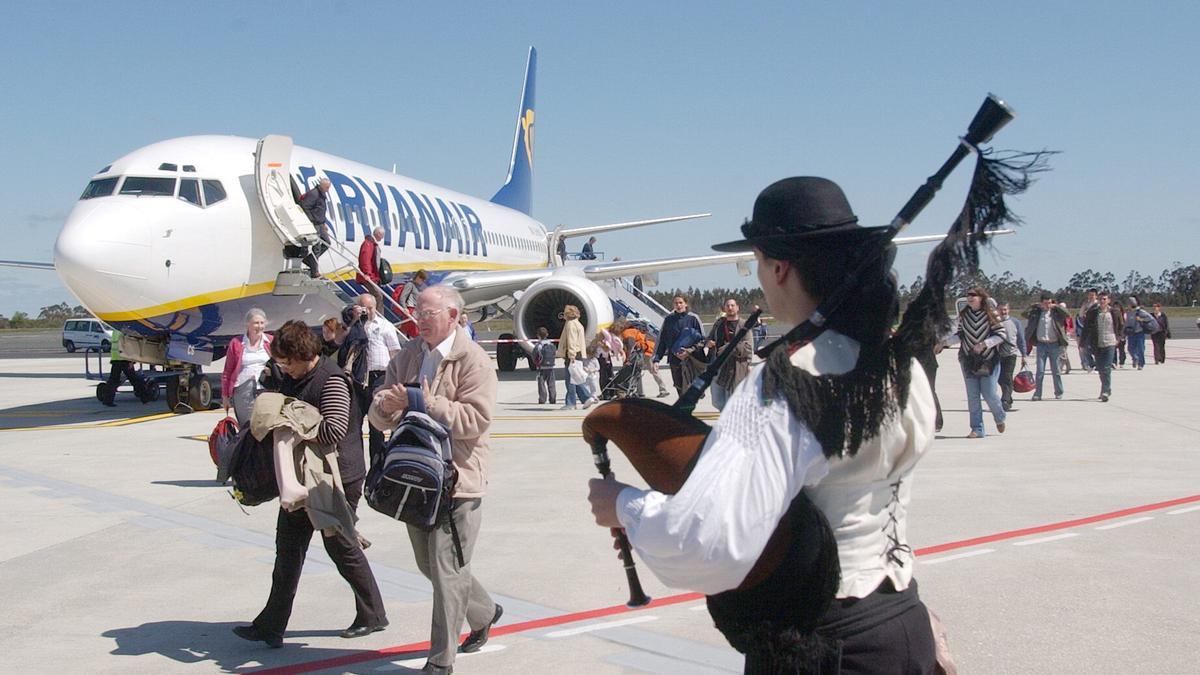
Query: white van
{"points": [[84, 333]]}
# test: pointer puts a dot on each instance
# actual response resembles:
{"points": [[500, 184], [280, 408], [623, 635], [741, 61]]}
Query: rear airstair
{"points": [[630, 302]]}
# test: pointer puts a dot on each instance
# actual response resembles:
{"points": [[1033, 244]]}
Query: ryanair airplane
{"points": [[175, 241]]}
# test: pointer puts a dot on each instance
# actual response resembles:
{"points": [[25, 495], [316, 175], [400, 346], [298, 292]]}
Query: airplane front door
{"points": [[272, 176]]}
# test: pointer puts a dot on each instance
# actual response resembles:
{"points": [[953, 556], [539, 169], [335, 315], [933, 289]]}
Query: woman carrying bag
{"points": [[244, 362], [571, 347], [980, 333]]}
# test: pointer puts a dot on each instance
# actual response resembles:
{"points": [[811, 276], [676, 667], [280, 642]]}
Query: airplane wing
{"points": [[612, 227], [482, 287], [27, 264], [622, 268]]}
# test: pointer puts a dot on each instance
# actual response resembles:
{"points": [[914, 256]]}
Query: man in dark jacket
{"points": [[1046, 330], [735, 369], [1102, 327], [681, 333], [313, 203]]}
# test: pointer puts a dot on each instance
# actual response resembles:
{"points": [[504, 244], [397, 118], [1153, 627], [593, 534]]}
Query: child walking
{"points": [[543, 358]]}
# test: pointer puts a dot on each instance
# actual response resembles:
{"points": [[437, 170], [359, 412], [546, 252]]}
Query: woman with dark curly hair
{"points": [[316, 380], [980, 333]]}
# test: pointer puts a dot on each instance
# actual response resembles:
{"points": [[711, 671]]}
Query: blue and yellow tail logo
{"points": [[517, 192]]}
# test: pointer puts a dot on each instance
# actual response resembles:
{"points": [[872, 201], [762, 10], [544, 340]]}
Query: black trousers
{"points": [[374, 436], [293, 532], [886, 632], [1159, 340], [1007, 365], [119, 369]]}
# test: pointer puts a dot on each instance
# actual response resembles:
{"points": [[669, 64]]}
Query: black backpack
{"points": [[252, 469], [413, 479]]}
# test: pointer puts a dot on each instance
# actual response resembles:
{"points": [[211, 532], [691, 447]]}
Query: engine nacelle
{"points": [[542, 304]]}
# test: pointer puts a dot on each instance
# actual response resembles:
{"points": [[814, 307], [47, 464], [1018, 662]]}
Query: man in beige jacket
{"points": [[459, 386]]}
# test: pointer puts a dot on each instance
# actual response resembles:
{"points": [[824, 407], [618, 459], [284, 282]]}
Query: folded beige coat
{"points": [[273, 410]]}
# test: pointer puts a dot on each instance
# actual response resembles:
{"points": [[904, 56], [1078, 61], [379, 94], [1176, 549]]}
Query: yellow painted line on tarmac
{"points": [[544, 434], [95, 425], [136, 420], [522, 418]]}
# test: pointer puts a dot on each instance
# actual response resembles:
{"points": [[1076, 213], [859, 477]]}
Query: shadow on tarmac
{"points": [[42, 376], [189, 483], [75, 411], [200, 641]]}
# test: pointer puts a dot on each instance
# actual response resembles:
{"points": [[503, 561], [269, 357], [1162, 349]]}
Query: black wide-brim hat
{"points": [[799, 209]]}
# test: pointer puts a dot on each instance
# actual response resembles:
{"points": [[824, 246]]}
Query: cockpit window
{"points": [[135, 185], [166, 166], [213, 192], [189, 190], [101, 187]]}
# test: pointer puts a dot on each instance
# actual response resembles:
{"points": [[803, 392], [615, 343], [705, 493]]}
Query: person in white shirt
{"points": [[383, 341], [825, 430]]}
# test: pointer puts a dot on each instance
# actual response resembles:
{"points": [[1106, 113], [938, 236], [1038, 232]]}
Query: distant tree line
{"points": [[52, 316], [1176, 286]]}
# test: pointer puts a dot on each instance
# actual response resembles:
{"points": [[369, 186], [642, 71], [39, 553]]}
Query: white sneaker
{"points": [[567, 407], [589, 403]]}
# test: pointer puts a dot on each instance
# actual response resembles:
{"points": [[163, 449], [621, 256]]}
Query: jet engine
{"points": [[542, 305]]}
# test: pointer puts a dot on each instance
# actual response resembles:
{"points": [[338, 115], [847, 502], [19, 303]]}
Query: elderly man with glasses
{"points": [[458, 383]]}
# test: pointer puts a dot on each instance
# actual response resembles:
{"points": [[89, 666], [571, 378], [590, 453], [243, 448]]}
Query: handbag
{"points": [[577, 372], [981, 365]]}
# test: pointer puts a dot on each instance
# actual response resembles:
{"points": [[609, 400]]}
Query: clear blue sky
{"points": [[644, 110]]}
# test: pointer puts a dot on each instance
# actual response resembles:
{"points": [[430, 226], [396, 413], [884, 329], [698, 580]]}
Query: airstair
{"points": [[337, 287], [630, 302]]}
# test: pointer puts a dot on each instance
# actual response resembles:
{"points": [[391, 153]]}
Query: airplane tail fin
{"points": [[517, 191]]}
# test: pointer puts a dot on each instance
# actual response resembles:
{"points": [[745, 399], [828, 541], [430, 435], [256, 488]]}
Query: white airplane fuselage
{"points": [[159, 261]]}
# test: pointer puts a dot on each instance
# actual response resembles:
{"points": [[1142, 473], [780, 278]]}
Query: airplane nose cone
{"points": [[101, 255]]}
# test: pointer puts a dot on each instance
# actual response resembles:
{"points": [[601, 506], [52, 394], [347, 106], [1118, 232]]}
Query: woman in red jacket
{"points": [[244, 362]]}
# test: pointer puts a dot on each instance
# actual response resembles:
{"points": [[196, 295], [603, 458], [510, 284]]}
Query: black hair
{"points": [[542, 332]]}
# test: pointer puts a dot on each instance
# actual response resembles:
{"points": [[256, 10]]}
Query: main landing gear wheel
{"points": [[200, 393], [506, 353]]}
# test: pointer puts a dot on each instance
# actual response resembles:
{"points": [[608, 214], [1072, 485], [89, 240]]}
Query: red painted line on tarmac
{"points": [[404, 650], [416, 647], [1066, 524]]}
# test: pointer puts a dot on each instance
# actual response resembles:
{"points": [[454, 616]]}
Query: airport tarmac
{"points": [[1066, 545]]}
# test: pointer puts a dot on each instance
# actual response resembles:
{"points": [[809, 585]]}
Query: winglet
{"points": [[517, 191]]}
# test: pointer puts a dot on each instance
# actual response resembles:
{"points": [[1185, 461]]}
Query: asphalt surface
{"points": [[1066, 545]]}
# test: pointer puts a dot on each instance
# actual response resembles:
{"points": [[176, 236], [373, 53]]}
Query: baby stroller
{"points": [[624, 382]]}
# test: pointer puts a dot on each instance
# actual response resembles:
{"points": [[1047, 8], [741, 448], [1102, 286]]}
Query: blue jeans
{"points": [[1136, 344], [1048, 352], [575, 392], [1104, 366], [985, 387], [719, 396]]}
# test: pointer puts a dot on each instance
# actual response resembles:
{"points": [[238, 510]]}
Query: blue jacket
{"points": [[676, 325]]}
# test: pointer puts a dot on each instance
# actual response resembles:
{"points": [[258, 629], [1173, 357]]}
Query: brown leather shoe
{"points": [[972, 435], [1000, 428]]}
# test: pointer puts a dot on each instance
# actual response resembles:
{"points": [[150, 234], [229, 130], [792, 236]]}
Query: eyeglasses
{"points": [[428, 313]]}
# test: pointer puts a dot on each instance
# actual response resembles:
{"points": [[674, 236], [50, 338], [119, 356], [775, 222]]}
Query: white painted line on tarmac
{"points": [[1123, 523], [699, 608], [1044, 540], [1188, 509], [416, 664], [604, 625], [958, 556]]}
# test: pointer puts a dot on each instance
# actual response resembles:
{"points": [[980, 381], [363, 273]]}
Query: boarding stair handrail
{"points": [[350, 264]]}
